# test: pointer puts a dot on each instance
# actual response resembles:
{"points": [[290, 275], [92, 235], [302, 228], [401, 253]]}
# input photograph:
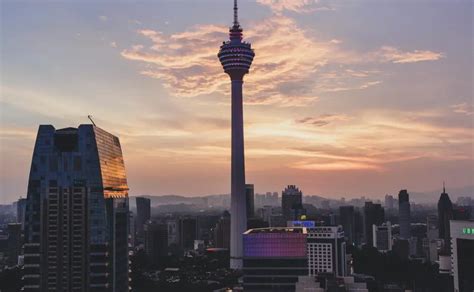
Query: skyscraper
{"points": [[373, 215], [404, 214], [20, 212], [143, 215], [236, 57], [291, 202], [445, 213], [249, 200], [76, 221]]}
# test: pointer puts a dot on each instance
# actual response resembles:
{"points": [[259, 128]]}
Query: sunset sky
{"points": [[344, 98]]}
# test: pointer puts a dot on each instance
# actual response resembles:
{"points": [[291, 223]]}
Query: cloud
{"points": [[300, 6], [290, 71], [322, 120], [394, 55], [463, 108], [103, 18], [187, 62]]}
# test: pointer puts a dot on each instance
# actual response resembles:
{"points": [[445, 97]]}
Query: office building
{"points": [[236, 57], [404, 216], [156, 241], [143, 215], [274, 258], [249, 200], [382, 236], [445, 213], [291, 202], [462, 254], [373, 215], [76, 220], [347, 220], [326, 250]]}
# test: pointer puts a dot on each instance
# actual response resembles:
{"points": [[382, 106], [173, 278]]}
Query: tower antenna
{"points": [[236, 16], [90, 118], [444, 187]]}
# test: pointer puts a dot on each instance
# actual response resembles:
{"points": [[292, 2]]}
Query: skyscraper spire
{"points": [[444, 188], [236, 16]]}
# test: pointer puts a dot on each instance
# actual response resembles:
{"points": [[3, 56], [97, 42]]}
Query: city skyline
{"points": [[376, 105]]}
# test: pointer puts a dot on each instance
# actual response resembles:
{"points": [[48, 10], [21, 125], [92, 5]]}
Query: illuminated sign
{"points": [[302, 224], [467, 230]]}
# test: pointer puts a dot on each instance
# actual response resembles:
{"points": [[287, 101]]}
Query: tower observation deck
{"points": [[236, 57]]}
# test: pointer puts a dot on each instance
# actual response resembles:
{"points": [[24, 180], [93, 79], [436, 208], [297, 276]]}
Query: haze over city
{"points": [[343, 98]]}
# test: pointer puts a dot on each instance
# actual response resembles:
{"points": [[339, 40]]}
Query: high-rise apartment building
{"points": [[143, 215], [382, 236], [188, 232], [236, 57], [76, 219], [404, 216], [291, 202], [462, 254], [373, 215]]}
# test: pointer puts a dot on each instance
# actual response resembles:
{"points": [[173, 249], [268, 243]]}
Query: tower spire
{"points": [[236, 15], [444, 188]]}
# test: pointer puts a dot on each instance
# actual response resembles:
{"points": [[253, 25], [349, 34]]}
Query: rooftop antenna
{"points": [[90, 118], [444, 188]]}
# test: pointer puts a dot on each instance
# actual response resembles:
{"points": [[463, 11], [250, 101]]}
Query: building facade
{"points": [[274, 258], [156, 241], [76, 218], [326, 251]]}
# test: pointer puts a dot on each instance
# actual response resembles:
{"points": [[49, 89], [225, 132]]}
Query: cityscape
{"points": [[376, 199]]}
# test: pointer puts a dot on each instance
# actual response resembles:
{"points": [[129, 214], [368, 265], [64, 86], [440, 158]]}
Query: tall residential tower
{"points": [[76, 219], [236, 57]]}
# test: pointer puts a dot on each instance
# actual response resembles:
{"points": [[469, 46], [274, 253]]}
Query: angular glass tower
{"points": [[236, 57], [76, 219]]}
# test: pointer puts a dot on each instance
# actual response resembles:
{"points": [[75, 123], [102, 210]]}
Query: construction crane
{"points": [[90, 118]]}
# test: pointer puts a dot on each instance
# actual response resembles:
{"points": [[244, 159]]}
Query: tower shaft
{"points": [[238, 205]]}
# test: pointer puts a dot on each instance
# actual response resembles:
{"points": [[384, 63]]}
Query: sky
{"points": [[344, 98]]}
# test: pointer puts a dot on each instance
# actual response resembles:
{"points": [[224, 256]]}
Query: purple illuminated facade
{"points": [[281, 242], [236, 57], [274, 253]]}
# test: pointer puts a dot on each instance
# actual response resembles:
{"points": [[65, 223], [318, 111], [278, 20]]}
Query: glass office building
{"points": [[76, 219]]}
